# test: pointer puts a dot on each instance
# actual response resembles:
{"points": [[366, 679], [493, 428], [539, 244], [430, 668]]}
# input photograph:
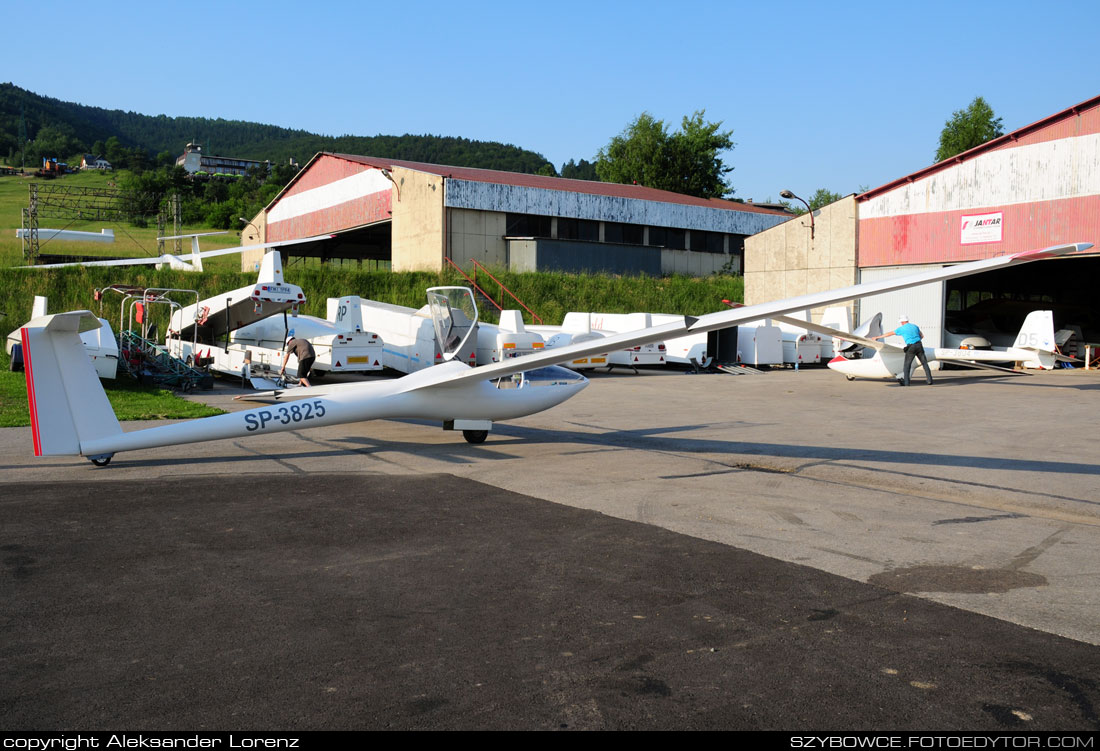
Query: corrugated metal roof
{"points": [[996, 143], [555, 183]]}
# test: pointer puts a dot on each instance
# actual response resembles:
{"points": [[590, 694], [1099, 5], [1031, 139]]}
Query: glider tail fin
{"points": [[1037, 335], [68, 406], [195, 259], [271, 268]]}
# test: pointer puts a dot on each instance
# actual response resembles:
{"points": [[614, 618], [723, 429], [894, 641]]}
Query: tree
{"points": [[582, 170], [820, 198], [684, 162], [696, 163], [968, 128], [823, 198], [55, 141]]}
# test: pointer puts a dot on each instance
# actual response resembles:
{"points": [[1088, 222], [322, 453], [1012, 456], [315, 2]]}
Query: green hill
{"points": [[65, 130]]}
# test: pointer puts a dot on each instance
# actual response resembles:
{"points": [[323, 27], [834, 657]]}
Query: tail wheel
{"points": [[475, 436]]}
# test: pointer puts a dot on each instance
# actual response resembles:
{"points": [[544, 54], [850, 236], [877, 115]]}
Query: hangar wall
{"points": [[418, 221], [478, 235], [924, 304], [483, 196], [785, 261], [331, 195], [1005, 200], [253, 234]]}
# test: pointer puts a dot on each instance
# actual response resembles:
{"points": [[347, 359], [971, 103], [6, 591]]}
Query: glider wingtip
{"points": [[1052, 252]]}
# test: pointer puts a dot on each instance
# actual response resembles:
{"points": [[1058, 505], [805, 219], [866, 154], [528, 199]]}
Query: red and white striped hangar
{"points": [[1031, 188], [1034, 187], [417, 216]]}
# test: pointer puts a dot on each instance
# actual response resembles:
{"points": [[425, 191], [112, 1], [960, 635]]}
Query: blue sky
{"points": [[818, 95]]}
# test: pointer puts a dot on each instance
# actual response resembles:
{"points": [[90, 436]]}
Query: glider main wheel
{"points": [[475, 436], [101, 461], [850, 377]]}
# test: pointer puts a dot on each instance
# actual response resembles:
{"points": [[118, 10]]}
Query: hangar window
{"points": [[668, 237], [619, 232], [707, 242], [578, 229], [527, 225]]}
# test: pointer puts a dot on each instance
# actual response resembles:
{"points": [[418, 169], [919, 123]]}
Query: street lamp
{"points": [[246, 223], [789, 196], [389, 176]]}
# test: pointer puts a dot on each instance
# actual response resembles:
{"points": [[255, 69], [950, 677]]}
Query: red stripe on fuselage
{"points": [[31, 403]]}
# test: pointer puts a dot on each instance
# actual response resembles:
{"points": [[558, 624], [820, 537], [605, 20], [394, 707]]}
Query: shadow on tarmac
{"points": [[434, 602]]}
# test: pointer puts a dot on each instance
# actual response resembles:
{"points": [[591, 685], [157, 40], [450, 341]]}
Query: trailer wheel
{"points": [[475, 436], [16, 363]]}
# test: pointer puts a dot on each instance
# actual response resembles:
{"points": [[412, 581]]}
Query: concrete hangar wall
{"points": [[417, 214], [1034, 187]]}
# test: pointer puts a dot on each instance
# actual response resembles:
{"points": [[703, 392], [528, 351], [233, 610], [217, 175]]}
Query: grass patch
{"points": [[129, 400], [129, 240]]}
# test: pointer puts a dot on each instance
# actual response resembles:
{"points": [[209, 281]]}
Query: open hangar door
{"points": [[993, 305], [372, 243]]}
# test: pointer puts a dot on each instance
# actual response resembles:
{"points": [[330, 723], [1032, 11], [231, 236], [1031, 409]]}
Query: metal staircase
{"points": [[484, 296]]}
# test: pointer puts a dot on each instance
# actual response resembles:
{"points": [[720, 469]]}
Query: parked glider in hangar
{"points": [[70, 414]]}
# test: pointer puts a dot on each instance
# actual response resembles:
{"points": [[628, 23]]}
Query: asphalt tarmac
{"points": [[786, 551]]}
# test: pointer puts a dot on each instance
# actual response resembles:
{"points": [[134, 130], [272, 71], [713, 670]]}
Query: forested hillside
{"points": [[65, 130]]}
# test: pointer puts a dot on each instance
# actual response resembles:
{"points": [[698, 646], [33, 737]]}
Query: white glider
{"points": [[70, 414], [1034, 348], [189, 262]]}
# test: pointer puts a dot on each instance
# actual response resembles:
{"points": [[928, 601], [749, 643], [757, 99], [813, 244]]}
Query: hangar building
{"points": [[1031, 188], [417, 215]]}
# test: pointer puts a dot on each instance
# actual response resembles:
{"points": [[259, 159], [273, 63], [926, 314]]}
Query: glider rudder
{"points": [[66, 401]]}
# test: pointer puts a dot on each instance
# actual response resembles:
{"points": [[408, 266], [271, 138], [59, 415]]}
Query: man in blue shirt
{"points": [[912, 336]]}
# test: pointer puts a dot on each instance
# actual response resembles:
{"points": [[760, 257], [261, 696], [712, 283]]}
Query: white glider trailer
{"points": [[244, 332], [575, 328], [579, 327], [99, 343], [338, 350]]}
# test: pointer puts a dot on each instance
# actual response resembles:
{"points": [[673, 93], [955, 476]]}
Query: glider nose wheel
{"points": [[475, 436]]}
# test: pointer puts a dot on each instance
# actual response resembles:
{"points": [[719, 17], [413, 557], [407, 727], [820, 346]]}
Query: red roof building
{"points": [[415, 215]]}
